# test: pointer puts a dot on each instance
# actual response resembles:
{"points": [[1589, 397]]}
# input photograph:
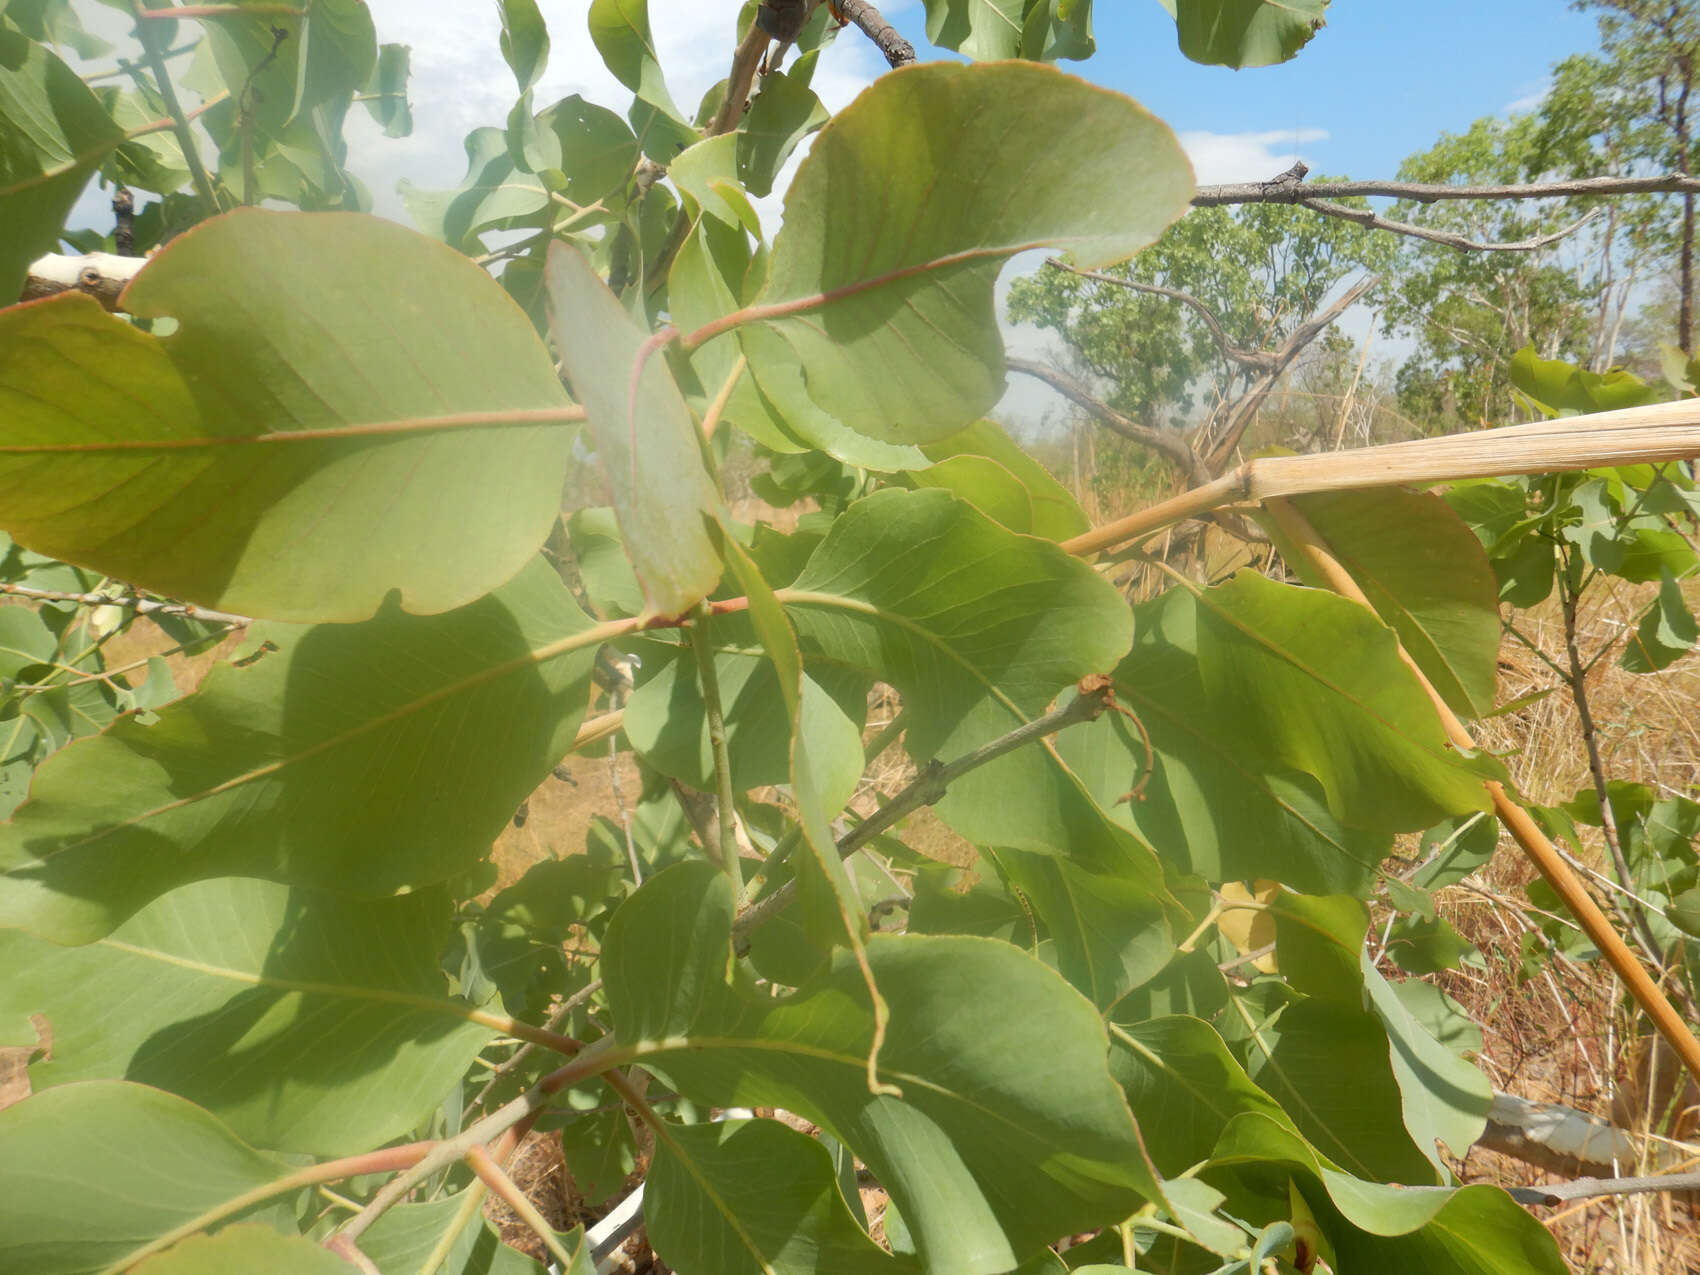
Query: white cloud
{"points": [[1534, 94], [460, 81], [1246, 157]]}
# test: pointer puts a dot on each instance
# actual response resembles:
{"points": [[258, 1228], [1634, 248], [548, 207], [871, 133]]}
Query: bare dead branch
{"points": [[1291, 190], [1256, 360], [871, 23], [127, 602], [1589, 1188], [1244, 409], [1373, 221], [1166, 442]]}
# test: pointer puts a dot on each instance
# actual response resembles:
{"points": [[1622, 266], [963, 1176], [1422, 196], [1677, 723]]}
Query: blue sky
{"points": [[1382, 80]]}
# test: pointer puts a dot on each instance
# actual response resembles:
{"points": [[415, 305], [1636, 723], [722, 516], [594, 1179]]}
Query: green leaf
{"points": [[54, 137], [494, 195], [405, 1236], [1053, 512], [1242, 33], [1184, 1086], [1667, 630], [1563, 389], [1058, 29], [525, 41], [249, 1247], [145, 1163], [1009, 1129], [886, 306], [1454, 848], [667, 725], [1427, 577], [603, 567], [781, 115], [1249, 693], [754, 1196], [1317, 942], [385, 93], [1326, 1063], [620, 31], [366, 759], [978, 629], [978, 29], [304, 1022], [1445, 1099], [1111, 931], [1474, 1230], [645, 438], [285, 65], [1427, 945], [260, 462]]}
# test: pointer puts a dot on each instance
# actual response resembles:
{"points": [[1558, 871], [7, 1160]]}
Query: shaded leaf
{"points": [[648, 445], [1666, 632], [367, 759], [55, 136], [1563, 389], [1053, 511], [385, 94], [1445, 1098], [144, 1163], [1427, 577], [1184, 1086], [780, 116], [405, 1236], [525, 41], [976, 1028], [227, 991], [754, 1196], [297, 469], [247, 1246], [1475, 1230]]}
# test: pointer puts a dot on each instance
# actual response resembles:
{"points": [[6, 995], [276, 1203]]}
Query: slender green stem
{"points": [[703, 647], [149, 37]]}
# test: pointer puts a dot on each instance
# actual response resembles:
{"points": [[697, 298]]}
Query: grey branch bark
{"points": [[898, 51], [1164, 442], [1589, 1188], [1256, 360], [127, 602], [1293, 191], [1373, 221], [1244, 410], [925, 789]]}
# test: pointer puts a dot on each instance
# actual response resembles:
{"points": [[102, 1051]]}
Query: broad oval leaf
{"points": [[247, 1246], [345, 410], [364, 759], [1009, 1129], [1427, 576], [1242, 33], [884, 302], [55, 135], [227, 991], [753, 1197], [144, 1162], [645, 438]]}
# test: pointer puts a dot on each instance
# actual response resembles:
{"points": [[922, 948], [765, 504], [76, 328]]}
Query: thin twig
{"points": [[702, 646], [168, 94], [562, 1011], [490, 1173], [1165, 442], [926, 788], [1257, 360], [1446, 238], [1296, 192], [871, 23], [592, 1060], [126, 602]]}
